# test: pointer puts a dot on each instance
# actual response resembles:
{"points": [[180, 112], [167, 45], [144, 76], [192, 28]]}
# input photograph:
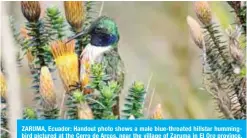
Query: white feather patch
{"points": [[93, 53], [90, 55]]}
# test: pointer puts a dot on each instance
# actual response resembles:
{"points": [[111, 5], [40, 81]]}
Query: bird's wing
{"points": [[114, 66]]}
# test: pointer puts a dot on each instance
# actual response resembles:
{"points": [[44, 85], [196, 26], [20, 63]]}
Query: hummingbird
{"points": [[103, 48]]}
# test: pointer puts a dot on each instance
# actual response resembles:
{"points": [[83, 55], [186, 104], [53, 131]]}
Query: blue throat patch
{"points": [[103, 40]]}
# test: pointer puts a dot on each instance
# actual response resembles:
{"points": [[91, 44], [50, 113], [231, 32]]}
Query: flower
{"points": [[47, 87], [85, 80], [157, 114], [3, 85], [195, 31], [84, 83], [75, 15], [203, 12], [85, 71], [31, 10], [85, 76], [67, 62], [84, 111]]}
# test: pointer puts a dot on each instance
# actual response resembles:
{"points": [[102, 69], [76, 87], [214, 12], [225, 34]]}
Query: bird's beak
{"points": [[83, 33]]}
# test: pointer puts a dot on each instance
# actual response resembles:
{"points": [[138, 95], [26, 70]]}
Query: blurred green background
{"points": [[154, 43]]}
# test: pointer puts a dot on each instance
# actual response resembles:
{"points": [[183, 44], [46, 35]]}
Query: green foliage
{"points": [[243, 72], [239, 8], [134, 102], [82, 41], [50, 113], [42, 57], [4, 118], [105, 92], [35, 72], [222, 71], [55, 24], [73, 101], [106, 100], [38, 43], [30, 113], [98, 76], [90, 12], [222, 62], [15, 32], [19, 40], [242, 17]]}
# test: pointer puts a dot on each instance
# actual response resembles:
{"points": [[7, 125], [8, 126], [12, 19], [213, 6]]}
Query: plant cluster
{"points": [[223, 58], [42, 42]]}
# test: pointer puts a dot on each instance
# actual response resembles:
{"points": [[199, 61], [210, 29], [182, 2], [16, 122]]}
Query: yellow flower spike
{"points": [[195, 31], [75, 14], [31, 10], [67, 62], [47, 90], [203, 12], [85, 112], [158, 113], [3, 85], [85, 65]]}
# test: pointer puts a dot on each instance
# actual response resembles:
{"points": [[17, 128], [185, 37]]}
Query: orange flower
{"points": [[75, 14], [86, 65], [84, 83], [203, 12], [3, 85], [31, 10], [85, 80], [85, 73], [47, 87], [157, 114], [66, 62], [85, 70]]}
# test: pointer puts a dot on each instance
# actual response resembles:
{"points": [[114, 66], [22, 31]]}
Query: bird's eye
{"points": [[97, 29]]}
